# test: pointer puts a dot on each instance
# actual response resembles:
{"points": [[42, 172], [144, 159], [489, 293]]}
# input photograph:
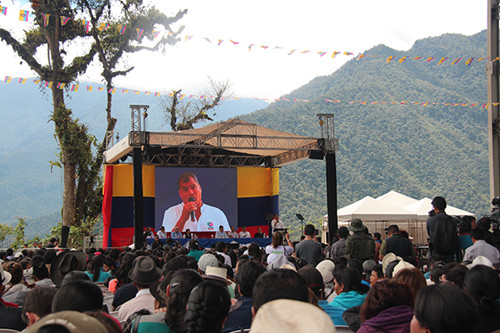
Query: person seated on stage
{"points": [[161, 233], [188, 234], [176, 233], [259, 233], [157, 243], [244, 233], [192, 213], [233, 233], [148, 233], [220, 233]]}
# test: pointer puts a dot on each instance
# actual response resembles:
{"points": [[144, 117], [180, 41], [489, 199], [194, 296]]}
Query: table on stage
{"points": [[210, 242]]}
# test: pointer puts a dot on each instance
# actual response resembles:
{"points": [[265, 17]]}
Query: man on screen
{"points": [[192, 213]]}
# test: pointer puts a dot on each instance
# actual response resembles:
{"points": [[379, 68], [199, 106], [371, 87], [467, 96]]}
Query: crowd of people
{"points": [[357, 283]]}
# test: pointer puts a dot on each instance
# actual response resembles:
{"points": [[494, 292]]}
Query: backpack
{"points": [[445, 239]]}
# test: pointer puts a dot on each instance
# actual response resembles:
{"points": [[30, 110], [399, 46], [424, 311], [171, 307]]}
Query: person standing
{"points": [[309, 249], [442, 231], [360, 245], [397, 244], [276, 223]]}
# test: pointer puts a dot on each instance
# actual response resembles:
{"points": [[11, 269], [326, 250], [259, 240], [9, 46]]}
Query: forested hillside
{"points": [[420, 151]]}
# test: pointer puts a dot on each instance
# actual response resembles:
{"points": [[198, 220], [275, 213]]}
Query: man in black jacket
{"points": [[442, 230], [400, 246]]}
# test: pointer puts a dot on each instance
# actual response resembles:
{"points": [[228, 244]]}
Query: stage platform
{"points": [[210, 242]]}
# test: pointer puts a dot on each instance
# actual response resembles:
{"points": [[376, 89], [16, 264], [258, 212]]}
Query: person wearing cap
{"points": [[397, 244], [192, 213], [309, 249], [71, 321], [10, 313], [360, 245], [143, 274]]}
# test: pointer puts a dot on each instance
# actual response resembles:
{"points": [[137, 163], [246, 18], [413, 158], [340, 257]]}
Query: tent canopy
{"points": [[422, 207], [396, 199], [371, 209]]}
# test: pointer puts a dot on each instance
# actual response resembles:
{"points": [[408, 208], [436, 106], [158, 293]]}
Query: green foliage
{"points": [[5, 230], [19, 234], [419, 151]]}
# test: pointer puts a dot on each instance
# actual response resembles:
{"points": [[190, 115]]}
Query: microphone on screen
{"points": [[192, 213]]}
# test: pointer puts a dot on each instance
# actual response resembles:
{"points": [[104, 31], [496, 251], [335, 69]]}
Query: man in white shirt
{"points": [[244, 233], [192, 213], [481, 248], [276, 223], [161, 233], [220, 233], [233, 233], [143, 274]]}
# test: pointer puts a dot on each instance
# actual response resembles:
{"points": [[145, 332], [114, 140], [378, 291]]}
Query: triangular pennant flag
{"points": [[348, 53], [402, 60], [443, 59], [234, 43], [389, 59], [61, 85], [220, 41], [45, 19], [361, 56], [430, 59], [121, 29], [139, 32], [22, 81], [155, 33], [100, 88], [89, 88], [157, 94], [334, 54], [188, 37], [147, 92], [48, 84], [456, 61], [250, 47], [7, 79], [75, 87], [469, 61], [207, 39], [321, 53], [23, 15], [103, 26], [3, 10], [86, 24], [64, 20], [112, 90], [292, 51]]}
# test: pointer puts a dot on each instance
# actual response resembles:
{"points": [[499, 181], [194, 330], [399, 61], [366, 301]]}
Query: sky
{"points": [[314, 25]]}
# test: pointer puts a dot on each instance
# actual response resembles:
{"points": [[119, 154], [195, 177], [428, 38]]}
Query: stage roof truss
{"points": [[226, 144]]}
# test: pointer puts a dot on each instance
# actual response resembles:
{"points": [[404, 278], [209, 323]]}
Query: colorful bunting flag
{"points": [[64, 20], [456, 61], [89, 88], [417, 58], [100, 88], [304, 52], [137, 92], [45, 19], [250, 47], [265, 47], [7, 79], [292, 51], [36, 81], [139, 32], [3, 10], [22, 81], [321, 53], [103, 26], [61, 85], [124, 91], [334, 54], [48, 84], [86, 24], [147, 92], [469, 61], [430, 59], [389, 59], [361, 56], [220, 41], [121, 29], [402, 60], [75, 87], [112, 90], [348, 53], [157, 94], [187, 38], [23, 15], [207, 39], [234, 43], [155, 33], [443, 59]]}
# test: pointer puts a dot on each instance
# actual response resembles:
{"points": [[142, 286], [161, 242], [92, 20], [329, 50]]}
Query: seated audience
{"points": [[16, 290], [10, 313], [481, 248], [68, 321], [412, 278], [387, 308], [79, 296], [445, 308], [38, 304], [95, 269], [483, 284], [241, 315], [454, 273], [207, 308]]}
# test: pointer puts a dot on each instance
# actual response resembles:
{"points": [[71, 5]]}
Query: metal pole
{"points": [[331, 193], [493, 97], [138, 199]]}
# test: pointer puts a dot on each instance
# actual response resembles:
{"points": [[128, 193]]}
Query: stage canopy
{"points": [[422, 208], [230, 143]]}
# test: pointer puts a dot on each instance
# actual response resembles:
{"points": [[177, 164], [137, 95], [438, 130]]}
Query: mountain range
{"points": [[389, 138]]}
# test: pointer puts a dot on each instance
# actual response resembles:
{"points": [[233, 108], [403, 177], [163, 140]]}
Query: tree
{"points": [[184, 115], [19, 234], [82, 184], [5, 230]]}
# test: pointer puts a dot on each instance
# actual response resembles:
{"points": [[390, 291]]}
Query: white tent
{"points": [[396, 199], [370, 209], [422, 207]]}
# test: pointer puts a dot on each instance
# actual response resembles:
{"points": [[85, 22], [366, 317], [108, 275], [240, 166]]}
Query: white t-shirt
{"points": [[244, 234], [277, 224], [274, 254], [161, 234], [210, 219], [233, 234]]}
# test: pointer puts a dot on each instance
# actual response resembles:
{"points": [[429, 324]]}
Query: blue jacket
{"points": [[343, 302]]}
